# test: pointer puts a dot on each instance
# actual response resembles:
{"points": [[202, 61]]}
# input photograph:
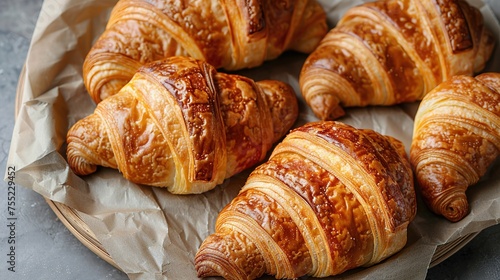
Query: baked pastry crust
{"points": [[456, 138], [330, 198], [395, 51], [180, 124], [229, 34]]}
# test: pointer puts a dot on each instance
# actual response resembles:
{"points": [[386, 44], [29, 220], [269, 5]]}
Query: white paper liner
{"points": [[150, 233]]}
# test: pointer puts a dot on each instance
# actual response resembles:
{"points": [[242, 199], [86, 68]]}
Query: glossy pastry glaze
{"points": [[180, 124], [330, 198], [455, 140], [231, 34], [395, 51]]}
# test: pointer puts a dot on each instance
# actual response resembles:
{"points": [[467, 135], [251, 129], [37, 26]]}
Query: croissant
{"points": [[330, 198], [391, 52], [456, 138], [182, 125], [227, 34]]}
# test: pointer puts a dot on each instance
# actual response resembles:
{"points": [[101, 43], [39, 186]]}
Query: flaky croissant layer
{"points": [[180, 124], [456, 138], [230, 34], [393, 51], [330, 198]]}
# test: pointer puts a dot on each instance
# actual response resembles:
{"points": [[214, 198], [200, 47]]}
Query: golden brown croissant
{"points": [[231, 34], [394, 51], [330, 198], [180, 124], [456, 138]]}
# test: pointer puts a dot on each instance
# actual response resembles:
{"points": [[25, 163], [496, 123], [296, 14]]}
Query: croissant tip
{"points": [[81, 167], [203, 271], [326, 107], [283, 103], [455, 208], [205, 268], [78, 164]]}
